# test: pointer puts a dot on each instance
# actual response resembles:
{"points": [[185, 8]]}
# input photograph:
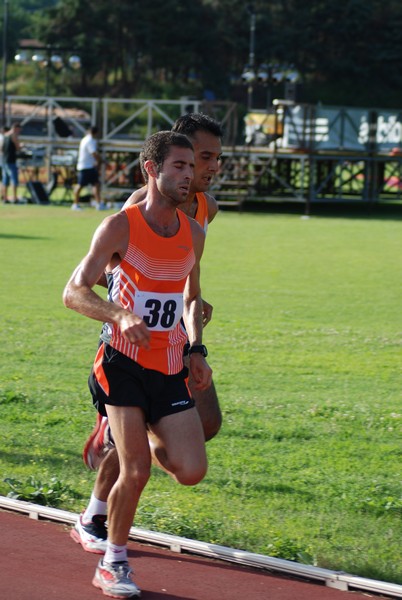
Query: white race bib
{"points": [[160, 312]]}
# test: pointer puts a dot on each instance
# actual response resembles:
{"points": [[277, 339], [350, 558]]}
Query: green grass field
{"points": [[305, 344]]}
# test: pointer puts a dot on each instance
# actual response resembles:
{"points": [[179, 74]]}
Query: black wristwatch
{"points": [[201, 349]]}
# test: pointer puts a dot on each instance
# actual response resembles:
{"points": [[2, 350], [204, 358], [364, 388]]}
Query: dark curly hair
{"points": [[157, 148], [190, 123]]}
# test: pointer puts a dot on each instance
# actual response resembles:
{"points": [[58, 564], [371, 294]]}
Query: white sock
{"points": [[115, 553], [95, 507]]}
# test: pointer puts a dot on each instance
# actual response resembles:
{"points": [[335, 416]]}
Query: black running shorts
{"points": [[130, 384]]}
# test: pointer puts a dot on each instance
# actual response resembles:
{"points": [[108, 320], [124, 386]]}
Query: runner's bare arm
{"points": [[192, 314], [135, 197], [212, 212], [108, 246], [206, 312]]}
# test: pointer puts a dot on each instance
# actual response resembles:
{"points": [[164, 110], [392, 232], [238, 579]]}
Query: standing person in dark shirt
{"points": [[2, 134], [11, 147]]}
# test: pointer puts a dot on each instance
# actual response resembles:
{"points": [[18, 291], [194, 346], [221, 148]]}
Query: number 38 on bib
{"points": [[160, 312]]}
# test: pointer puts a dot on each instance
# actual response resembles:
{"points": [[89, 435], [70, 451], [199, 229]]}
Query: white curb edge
{"points": [[334, 579]]}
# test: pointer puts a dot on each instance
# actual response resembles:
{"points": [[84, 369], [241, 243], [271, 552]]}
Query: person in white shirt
{"points": [[87, 167]]}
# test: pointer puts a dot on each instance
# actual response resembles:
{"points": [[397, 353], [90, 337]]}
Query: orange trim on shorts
{"points": [[98, 370]]}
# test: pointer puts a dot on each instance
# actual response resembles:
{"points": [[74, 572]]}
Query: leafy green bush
{"points": [[33, 490]]}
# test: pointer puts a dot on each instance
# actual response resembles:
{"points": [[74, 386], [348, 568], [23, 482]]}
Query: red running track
{"points": [[39, 561]]}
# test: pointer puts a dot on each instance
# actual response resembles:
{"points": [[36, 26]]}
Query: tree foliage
{"points": [[345, 49]]}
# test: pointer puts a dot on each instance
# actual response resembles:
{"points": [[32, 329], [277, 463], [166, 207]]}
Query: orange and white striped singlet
{"points": [[150, 282], [201, 215]]}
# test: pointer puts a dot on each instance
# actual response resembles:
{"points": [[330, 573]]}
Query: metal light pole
{"points": [[251, 57], [4, 69]]}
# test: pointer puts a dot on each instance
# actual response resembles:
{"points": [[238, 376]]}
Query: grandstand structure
{"points": [[290, 153]]}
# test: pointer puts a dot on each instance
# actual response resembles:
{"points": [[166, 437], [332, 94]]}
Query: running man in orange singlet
{"points": [[205, 135], [153, 252]]}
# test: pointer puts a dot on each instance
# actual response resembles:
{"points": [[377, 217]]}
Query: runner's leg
{"points": [[130, 436], [178, 446]]}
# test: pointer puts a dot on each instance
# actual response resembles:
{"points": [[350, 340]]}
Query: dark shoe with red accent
{"points": [[92, 536]]}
